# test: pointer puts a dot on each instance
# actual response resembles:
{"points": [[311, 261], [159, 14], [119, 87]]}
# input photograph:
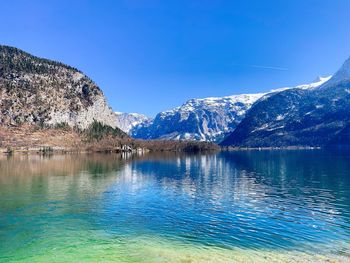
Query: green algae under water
{"points": [[258, 206]]}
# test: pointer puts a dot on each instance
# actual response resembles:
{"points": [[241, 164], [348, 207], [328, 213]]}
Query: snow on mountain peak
{"points": [[226, 104], [207, 119], [321, 79], [343, 74], [198, 119], [316, 83], [223, 101], [127, 121]]}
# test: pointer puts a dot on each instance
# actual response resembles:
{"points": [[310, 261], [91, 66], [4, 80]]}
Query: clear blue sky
{"points": [[148, 56]]}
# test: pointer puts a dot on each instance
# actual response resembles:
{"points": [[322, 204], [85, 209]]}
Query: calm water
{"points": [[268, 206]]}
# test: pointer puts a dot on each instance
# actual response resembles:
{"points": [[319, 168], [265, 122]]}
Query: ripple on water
{"points": [[228, 207]]}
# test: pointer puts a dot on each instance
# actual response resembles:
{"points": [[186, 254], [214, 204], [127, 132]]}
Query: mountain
{"points": [[44, 92], [209, 119], [315, 84], [299, 117], [127, 121], [206, 119]]}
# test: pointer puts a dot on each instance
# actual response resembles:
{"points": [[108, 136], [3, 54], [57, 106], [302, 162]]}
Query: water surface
{"points": [[249, 206]]}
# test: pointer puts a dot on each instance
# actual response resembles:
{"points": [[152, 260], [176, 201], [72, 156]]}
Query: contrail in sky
{"points": [[268, 67]]}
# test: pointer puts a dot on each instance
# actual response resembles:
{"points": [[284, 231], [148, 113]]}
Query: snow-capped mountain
{"points": [[342, 75], [208, 119], [299, 117], [315, 84], [127, 121]]}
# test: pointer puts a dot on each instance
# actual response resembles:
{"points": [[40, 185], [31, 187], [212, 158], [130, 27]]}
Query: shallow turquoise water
{"points": [[231, 206]]}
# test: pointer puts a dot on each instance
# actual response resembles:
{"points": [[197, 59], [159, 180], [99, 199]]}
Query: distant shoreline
{"points": [[230, 148]]}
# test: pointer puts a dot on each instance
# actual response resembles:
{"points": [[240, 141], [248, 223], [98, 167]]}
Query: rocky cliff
{"points": [[44, 92]]}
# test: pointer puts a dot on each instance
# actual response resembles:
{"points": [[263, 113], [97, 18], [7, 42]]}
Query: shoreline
{"points": [[29, 139], [230, 148], [49, 150]]}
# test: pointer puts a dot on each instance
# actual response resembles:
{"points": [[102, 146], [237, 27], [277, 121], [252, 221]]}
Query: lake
{"points": [[241, 206]]}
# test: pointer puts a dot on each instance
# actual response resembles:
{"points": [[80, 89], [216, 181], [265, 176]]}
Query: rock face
{"points": [[299, 117], [127, 121], [44, 92], [208, 119]]}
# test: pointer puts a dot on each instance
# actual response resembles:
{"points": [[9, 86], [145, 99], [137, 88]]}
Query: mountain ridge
{"points": [[206, 119], [298, 117]]}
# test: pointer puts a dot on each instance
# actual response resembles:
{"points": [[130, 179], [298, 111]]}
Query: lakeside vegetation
{"points": [[96, 138], [102, 137]]}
